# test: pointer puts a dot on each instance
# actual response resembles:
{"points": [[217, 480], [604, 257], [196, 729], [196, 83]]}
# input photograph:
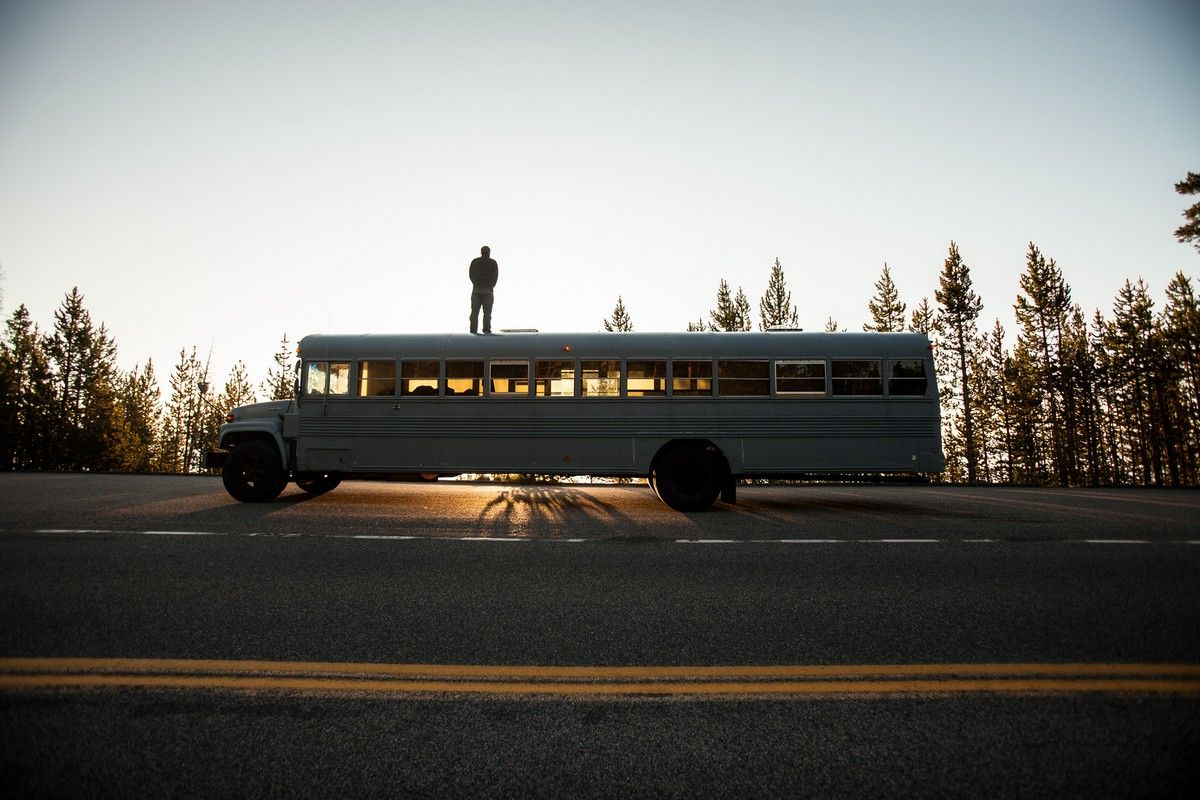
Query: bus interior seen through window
{"points": [[464, 378], [612, 378]]}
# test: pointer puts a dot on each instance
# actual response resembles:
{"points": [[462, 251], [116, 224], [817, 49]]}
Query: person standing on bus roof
{"points": [[484, 271]]}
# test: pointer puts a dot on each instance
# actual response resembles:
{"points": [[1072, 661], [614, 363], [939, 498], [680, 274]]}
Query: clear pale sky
{"points": [[213, 174]]}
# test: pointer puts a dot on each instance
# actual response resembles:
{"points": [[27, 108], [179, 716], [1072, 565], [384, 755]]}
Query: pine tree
{"points": [[722, 318], [732, 312], [923, 319], [104, 432], [83, 360], [775, 309], [741, 305], [1181, 325], [26, 395], [887, 312], [280, 383], [67, 349], [1083, 436], [960, 308], [1180, 330], [991, 407], [697, 327], [620, 320], [139, 398], [831, 325], [1024, 403], [1108, 468], [1190, 231], [1128, 339], [238, 391], [1042, 313], [186, 423]]}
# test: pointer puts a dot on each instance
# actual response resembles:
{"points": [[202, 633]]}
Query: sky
{"points": [[217, 174]]}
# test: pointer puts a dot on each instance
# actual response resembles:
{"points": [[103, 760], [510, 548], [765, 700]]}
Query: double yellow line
{"points": [[22, 674]]}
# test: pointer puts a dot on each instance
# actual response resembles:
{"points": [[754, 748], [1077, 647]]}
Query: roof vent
{"points": [[518, 330], [780, 328]]}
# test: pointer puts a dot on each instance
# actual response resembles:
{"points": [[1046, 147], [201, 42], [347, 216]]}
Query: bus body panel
{"points": [[771, 435]]}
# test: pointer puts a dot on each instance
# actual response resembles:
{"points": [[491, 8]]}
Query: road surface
{"points": [[158, 637]]}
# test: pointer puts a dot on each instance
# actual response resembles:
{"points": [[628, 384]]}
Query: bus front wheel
{"points": [[688, 478], [253, 472]]}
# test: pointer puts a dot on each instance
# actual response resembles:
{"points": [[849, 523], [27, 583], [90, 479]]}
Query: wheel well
{"points": [[236, 438]]}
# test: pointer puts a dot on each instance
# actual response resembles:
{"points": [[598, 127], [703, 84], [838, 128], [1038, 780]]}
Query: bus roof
{"points": [[771, 344]]}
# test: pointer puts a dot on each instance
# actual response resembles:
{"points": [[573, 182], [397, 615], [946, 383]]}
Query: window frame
{"points": [[444, 383], [878, 379], [325, 393], [766, 380], [620, 377], [401, 378], [924, 378], [537, 378], [825, 371], [666, 377], [359, 379], [712, 376], [509, 362]]}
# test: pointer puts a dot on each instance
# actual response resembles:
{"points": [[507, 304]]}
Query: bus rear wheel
{"points": [[253, 472], [687, 477]]}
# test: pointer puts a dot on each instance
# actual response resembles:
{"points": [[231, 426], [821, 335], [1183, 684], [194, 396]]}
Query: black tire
{"points": [[688, 477], [253, 472], [319, 485]]}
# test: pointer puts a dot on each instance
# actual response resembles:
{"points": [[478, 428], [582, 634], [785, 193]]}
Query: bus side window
{"points": [[326, 377], [744, 378], [376, 378], [316, 376], [464, 378], [339, 378], [646, 379], [908, 378], [555, 379], [418, 378], [691, 378], [601, 378], [509, 377], [856, 378], [800, 377]]}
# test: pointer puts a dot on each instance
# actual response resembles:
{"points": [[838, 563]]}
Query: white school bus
{"points": [[690, 412]]}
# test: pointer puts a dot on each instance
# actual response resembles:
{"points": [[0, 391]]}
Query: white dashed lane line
{"points": [[381, 536], [409, 538]]}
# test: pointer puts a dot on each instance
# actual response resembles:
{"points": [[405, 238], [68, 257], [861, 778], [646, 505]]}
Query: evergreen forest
{"points": [[1075, 399]]}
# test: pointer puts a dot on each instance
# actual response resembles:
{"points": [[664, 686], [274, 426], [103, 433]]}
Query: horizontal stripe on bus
{"points": [[568, 428]]}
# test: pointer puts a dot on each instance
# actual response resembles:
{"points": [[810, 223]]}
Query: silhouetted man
{"points": [[484, 271]]}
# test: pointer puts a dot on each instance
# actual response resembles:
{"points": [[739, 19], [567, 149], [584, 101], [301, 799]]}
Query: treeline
{"points": [[65, 405], [1076, 400]]}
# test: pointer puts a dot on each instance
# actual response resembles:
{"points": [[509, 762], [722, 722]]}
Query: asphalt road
{"points": [[596, 577]]}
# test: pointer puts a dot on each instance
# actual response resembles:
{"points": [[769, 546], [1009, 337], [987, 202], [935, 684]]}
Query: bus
{"points": [[692, 413]]}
